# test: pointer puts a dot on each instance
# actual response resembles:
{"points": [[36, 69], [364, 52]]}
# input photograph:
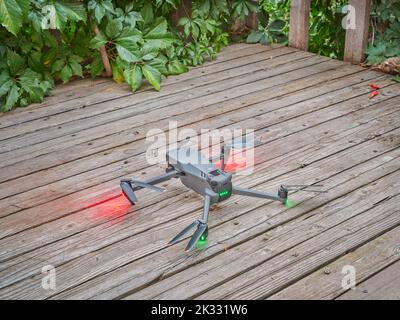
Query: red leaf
{"points": [[373, 94], [374, 86]]}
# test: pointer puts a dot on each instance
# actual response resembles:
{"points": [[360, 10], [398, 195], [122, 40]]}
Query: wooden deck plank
{"points": [[383, 286], [326, 283], [315, 122]]}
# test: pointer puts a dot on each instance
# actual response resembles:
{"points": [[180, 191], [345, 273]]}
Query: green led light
{"points": [[224, 193], [201, 244], [290, 203]]}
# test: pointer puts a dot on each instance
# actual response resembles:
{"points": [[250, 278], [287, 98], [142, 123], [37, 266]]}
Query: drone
{"points": [[207, 179]]}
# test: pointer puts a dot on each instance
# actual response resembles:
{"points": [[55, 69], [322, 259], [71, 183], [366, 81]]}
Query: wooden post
{"points": [[184, 10], [299, 24], [357, 39]]}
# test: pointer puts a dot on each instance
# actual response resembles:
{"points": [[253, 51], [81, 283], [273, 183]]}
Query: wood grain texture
{"points": [[326, 282], [357, 39], [299, 24], [385, 285]]}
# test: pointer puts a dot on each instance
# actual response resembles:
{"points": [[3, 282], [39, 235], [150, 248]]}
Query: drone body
{"points": [[202, 176]]}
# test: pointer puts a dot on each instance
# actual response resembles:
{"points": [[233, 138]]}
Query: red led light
{"points": [[111, 207]]}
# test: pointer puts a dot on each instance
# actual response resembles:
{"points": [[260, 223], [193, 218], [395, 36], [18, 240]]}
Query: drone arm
{"points": [[163, 177], [155, 180], [256, 194], [206, 208]]}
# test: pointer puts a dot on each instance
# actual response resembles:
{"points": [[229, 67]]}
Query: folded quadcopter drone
{"points": [[202, 176]]}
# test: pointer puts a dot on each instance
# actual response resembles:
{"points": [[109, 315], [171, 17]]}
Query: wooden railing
{"points": [[356, 38]]}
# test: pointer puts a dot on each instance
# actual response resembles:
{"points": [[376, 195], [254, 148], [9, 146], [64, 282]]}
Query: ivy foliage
{"points": [[385, 42]]}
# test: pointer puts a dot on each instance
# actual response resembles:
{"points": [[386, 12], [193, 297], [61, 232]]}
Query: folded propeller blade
{"points": [[196, 236], [305, 188], [146, 185], [181, 234], [128, 191]]}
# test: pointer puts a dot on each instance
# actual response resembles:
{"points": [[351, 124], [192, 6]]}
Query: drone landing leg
{"points": [[257, 194], [201, 227]]}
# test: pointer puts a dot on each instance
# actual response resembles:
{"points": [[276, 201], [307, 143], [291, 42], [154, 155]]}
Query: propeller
{"points": [[128, 188], [201, 229], [304, 187], [284, 189], [128, 191]]}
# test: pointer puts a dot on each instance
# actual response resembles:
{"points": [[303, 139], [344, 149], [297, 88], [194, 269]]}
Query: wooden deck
{"points": [[61, 162]]}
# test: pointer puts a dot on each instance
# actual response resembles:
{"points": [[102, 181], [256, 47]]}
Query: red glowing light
{"points": [[234, 163], [95, 204], [111, 207]]}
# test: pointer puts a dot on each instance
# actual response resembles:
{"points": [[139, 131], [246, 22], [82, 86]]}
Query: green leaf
{"points": [[99, 13], [113, 29], [23, 102], [57, 66], [66, 73], [76, 68], [277, 25], [159, 65], [11, 99], [5, 86], [126, 54], [133, 77], [11, 14], [30, 82], [73, 10], [147, 13], [157, 31], [118, 74], [127, 45], [177, 67], [96, 67], [98, 41], [64, 11], [129, 37], [15, 62], [107, 4], [265, 39], [153, 76], [254, 37], [35, 62]]}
